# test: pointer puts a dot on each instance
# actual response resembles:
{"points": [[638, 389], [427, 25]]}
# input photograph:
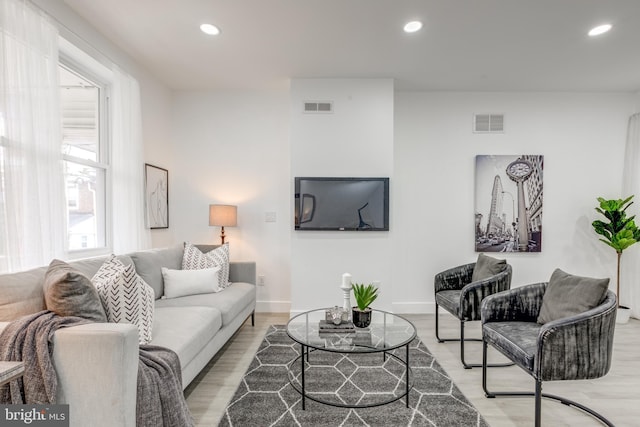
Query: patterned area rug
{"points": [[266, 398]]}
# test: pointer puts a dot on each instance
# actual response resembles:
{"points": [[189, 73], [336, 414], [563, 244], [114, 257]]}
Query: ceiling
{"points": [[465, 45]]}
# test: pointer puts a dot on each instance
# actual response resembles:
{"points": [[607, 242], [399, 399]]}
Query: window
{"points": [[57, 186], [84, 148]]}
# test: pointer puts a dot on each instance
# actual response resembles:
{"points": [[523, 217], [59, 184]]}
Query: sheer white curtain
{"points": [[32, 202], [630, 275], [127, 166]]}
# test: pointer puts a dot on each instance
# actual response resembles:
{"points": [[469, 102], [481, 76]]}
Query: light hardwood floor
{"points": [[616, 396]]}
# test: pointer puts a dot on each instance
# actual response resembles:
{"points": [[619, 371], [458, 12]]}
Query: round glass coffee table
{"points": [[342, 361]]}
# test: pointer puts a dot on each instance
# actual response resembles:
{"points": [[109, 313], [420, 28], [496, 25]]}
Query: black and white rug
{"points": [[266, 398]]}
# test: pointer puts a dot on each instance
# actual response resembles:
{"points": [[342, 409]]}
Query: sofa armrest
{"points": [[519, 304], [97, 369], [242, 271], [454, 278]]}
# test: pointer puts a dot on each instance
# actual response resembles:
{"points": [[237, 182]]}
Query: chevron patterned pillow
{"points": [[125, 296], [194, 259]]}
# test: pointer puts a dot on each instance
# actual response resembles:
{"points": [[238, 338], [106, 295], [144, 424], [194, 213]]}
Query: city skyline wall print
{"points": [[508, 203]]}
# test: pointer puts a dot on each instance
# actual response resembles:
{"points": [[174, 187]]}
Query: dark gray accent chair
{"points": [[459, 295], [571, 348]]}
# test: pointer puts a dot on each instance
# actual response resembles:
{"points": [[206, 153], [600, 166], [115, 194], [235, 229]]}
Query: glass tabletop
{"points": [[386, 332]]}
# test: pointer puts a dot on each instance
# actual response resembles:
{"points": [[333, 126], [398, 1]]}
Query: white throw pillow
{"points": [[194, 259], [126, 298], [180, 283]]}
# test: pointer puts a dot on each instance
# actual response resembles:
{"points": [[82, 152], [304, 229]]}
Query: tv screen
{"points": [[358, 204]]}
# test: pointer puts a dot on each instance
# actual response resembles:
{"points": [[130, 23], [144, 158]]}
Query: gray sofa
{"points": [[97, 363]]}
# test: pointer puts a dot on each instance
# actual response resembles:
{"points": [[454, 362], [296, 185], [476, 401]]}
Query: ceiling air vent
{"points": [[318, 107], [488, 123]]}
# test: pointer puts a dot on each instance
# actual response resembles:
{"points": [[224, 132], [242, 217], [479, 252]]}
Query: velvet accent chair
{"points": [[574, 347], [460, 290]]}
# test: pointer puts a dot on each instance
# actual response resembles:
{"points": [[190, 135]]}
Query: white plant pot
{"points": [[623, 314]]}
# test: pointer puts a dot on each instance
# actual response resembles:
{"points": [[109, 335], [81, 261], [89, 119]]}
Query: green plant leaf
{"points": [[620, 232], [364, 294]]}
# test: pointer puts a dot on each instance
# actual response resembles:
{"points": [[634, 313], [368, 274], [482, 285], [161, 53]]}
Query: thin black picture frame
{"points": [[156, 196]]}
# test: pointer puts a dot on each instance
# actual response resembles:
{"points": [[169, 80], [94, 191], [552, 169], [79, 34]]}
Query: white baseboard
{"points": [[414, 307], [273, 306]]}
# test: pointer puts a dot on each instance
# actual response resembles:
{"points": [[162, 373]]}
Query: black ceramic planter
{"points": [[361, 319]]}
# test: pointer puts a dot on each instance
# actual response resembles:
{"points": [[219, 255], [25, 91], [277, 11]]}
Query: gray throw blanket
{"points": [[160, 401]]}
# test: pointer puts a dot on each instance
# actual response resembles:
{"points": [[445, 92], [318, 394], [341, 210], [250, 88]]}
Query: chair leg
{"points": [[253, 318], [466, 366], [437, 327], [475, 365], [538, 403], [448, 339], [462, 340], [538, 395]]}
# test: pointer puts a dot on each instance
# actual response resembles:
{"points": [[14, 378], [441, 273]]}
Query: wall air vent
{"points": [[318, 107], [488, 123]]}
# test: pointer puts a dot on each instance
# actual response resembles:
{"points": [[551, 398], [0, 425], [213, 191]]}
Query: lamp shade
{"points": [[223, 215]]}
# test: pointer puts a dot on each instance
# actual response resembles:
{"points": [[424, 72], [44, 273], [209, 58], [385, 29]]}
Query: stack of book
{"points": [[330, 328]]}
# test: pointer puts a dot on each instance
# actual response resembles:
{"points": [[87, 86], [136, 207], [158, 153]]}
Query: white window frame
{"points": [[78, 61]]}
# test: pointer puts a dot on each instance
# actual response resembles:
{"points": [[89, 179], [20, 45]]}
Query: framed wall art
{"points": [[508, 203], [156, 188]]}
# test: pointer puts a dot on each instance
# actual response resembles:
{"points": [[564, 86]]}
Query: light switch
{"points": [[270, 217]]}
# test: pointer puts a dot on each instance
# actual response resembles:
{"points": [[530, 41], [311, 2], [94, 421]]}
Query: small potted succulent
{"points": [[364, 295]]}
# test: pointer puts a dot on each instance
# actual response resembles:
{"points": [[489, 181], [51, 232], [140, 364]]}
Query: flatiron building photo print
{"points": [[508, 203]]}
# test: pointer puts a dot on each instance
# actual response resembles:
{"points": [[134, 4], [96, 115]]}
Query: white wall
{"points": [[582, 137], [355, 140], [246, 148], [233, 148], [158, 147]]}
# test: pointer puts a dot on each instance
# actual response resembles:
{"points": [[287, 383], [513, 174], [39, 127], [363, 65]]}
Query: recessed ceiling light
{"points": [[600, 29], [412, 27], [212, 30]]}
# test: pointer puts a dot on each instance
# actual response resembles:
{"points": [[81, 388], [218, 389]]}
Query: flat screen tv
{"points": [[356, 204]]}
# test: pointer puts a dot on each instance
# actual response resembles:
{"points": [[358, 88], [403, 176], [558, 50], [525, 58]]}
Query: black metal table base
{"points": [[300, 386]]}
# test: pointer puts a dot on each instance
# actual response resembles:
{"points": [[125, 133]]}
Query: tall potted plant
{"points": [[619, 232], [365, 295]]}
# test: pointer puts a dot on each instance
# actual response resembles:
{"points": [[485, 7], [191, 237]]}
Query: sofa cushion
{"points": [[567, 295], [21, 293], [195, 259], [90, 266], [67, 292], [185, 330], [516, 340], [230, 302], [149, 265], [125, 297], [487, 266], [179, 283]]}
